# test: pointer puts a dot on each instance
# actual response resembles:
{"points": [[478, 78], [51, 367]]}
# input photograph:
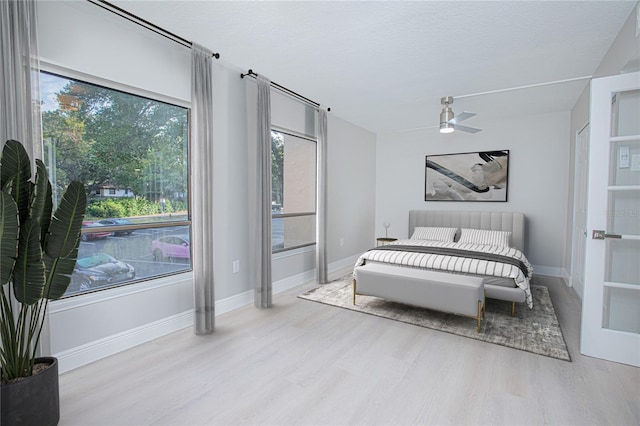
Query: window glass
{"points": [[131, 153], [293, 190]]}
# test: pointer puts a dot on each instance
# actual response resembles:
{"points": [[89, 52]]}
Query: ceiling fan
{"points": [[448, 120]]}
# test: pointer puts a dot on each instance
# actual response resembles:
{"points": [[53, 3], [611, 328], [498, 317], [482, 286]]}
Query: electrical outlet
{"points": [[235, 266], [623, 157]]}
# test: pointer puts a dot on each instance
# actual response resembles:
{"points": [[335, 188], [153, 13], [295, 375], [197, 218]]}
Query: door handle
{"points": [[601, 235]]}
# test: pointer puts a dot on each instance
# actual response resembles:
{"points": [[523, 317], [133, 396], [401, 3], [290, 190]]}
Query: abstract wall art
{"points": [[471, 176]]}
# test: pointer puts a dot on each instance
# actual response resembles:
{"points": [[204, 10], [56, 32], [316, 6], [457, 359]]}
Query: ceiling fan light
{"points": [[446, 128], [445, 120]]}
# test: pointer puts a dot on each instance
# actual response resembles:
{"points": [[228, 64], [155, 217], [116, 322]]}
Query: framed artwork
{"points": [[470, 176]]}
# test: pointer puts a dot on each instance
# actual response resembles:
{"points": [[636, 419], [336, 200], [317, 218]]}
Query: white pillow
{"points": [[434, 233], [482, 236]]}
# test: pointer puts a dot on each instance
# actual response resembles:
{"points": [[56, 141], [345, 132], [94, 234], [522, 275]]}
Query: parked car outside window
{"points": [[171, 247], [99, 270], [94, 235], [117, 222]]}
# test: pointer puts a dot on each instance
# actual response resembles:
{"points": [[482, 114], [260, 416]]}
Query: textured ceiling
{"points": [[385, 65]]}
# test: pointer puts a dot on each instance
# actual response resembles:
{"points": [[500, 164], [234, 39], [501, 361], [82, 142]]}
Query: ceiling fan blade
{"points": [[462, 116], [466, 129]]}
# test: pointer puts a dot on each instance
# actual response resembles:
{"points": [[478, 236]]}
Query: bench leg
{"points": [[484, 304], [480, 309], [513, 309], [354, 291]]}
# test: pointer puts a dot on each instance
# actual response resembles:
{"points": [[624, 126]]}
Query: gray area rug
{"points": [[534, 330]]}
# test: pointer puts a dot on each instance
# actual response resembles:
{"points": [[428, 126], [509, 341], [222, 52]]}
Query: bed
{"points": [[484, 244]]}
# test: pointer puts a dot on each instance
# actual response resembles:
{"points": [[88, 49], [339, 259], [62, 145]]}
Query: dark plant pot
{"points": [[34, 400]]}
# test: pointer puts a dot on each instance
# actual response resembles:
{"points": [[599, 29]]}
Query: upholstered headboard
{"points": [[496, 221]]}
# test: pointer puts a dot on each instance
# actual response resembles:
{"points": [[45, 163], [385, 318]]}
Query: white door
{"points": [[611, 302], [579, 240]]}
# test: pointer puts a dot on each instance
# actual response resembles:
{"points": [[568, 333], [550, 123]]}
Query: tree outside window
{"points": [[131, 153]]}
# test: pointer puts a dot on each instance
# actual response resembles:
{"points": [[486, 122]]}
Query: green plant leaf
{"points": [[46, 216], [39, 201], [42, 204], [28, 274], [15, 166], [66, 222], [8, 236], [59, 272]]}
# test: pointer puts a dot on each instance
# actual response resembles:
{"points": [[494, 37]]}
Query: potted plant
{"points": [[38, 250]]}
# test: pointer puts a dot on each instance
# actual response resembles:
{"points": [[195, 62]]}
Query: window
{"points": [[293, 191], [111, 140]]}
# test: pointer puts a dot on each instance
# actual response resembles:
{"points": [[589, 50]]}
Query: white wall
{"points": [[230, 180], [81, 40], [538, 156], [351, 158], [82, 37]]}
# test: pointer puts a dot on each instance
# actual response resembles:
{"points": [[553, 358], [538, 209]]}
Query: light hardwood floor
{"points": [[306, 363]]}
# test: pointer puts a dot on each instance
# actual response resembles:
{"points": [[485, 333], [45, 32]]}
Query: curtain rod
{"points": [[144, 23], [250, 73]]}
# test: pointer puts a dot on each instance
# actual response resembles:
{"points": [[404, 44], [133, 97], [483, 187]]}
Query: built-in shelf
{"points": [[629, 138], [635, 287], [623, 187]]}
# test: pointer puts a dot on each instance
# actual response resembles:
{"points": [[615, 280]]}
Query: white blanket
{"points": [[464, 265]]}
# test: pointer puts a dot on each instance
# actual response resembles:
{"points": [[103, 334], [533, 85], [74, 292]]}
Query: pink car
{"points": [[171, 247]]}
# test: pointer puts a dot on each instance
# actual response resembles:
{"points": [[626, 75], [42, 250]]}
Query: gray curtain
{"points": [[202, 188], [19, 77], [260, 198], [20, 95], [321, 202]]}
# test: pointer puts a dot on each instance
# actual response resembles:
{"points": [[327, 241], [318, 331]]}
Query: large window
{"points": [[293, 192], [131, 153]]}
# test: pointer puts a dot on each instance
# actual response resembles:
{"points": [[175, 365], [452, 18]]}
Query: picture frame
{"points": [[469, 176]]}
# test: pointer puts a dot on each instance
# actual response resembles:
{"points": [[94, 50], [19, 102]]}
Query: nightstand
{"points": [[384, 240]]}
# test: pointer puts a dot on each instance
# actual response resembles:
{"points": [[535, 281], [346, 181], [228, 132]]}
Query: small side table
{"points": [[384, 240]]}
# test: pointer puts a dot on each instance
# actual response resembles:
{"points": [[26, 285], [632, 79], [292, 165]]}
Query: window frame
{"points": [[309, 138], [146, 282]]}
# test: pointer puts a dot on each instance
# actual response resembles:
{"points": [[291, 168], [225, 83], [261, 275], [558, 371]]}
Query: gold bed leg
{"points": [[513, 309], [354, 291], [479, 314]]}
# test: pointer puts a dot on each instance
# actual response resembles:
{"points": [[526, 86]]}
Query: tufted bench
{"points": [[458, 294]]}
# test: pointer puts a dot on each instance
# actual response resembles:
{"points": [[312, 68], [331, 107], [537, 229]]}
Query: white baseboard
{"points": [[549, 271], [577, 289], [239, 300], [102, 348], [234, 302], [343, 266], [293, 281]]}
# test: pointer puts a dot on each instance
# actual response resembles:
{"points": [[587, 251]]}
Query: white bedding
{"points": [[457, 264]]}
